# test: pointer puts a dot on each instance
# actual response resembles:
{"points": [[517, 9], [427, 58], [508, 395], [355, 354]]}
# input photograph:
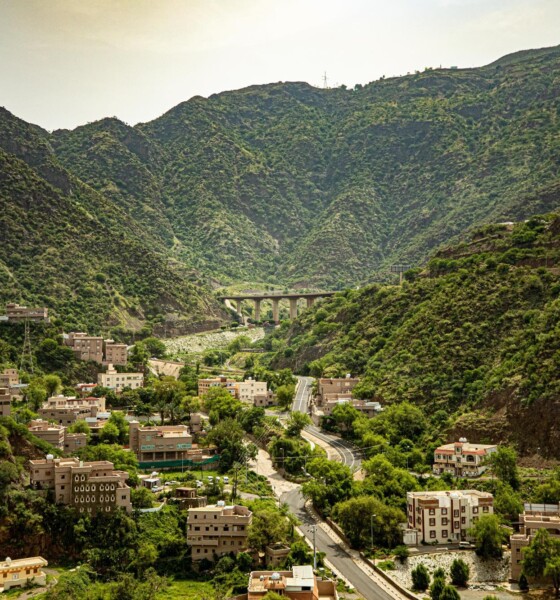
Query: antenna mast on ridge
{"points": [[325, 81]]}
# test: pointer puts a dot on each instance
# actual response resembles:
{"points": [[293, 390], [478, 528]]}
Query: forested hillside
{"points": [[324, 187], [72, 249], [476, 333]]}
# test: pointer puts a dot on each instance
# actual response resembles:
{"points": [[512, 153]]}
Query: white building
{"points": [[248, 389], [462, 459], [118, 381], [444, 516]]}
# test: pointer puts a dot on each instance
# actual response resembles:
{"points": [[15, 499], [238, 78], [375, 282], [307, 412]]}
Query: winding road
{"points": [[368, 583]]}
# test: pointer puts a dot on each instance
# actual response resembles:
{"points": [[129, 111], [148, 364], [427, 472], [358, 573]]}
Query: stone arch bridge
{"points": [[275, 298]]}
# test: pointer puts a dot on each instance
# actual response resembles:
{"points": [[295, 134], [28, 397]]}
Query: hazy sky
{"points": [[67, 62]]}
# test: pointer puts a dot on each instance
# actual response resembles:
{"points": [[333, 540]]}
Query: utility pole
{"points": [[314, 529], [26, 351], [371, 529], [325, 81]]}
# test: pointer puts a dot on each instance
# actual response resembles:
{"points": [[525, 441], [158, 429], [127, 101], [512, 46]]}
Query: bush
{"points": [[460, 572], [437, 587], [420, 578], [449, 593], [523, 583], [401, 553]]}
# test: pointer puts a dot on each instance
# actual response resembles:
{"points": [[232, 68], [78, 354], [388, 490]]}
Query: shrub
{"points": [[460, 572], [420, 578]]}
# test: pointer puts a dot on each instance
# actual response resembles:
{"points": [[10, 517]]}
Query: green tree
{"points": [[109, 434], [401, 553], [552, 570], [504, 465], [489, 536], [507, 502], [220, 404], [523, 583], [117, 418], [344, 416], [80, 426], [420, 578], [285, 395], [459, 572], [52, 383], [53, 356], [155, 347], [437, 587], [141, 497], [267, 528], [296, 423], [542, 550], [449, 593]]}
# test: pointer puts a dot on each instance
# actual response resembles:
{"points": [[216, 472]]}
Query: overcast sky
{"points": [[67, 62]]}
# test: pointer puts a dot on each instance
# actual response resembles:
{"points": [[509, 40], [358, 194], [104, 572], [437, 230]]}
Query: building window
{"points": [[455, 513], [444, 511], [432, 534], [463, 509], [432, 511], [484, 509], [444, 521], [475, 510], [432, 522], [444, 533], [463, 520], [456, 524]]}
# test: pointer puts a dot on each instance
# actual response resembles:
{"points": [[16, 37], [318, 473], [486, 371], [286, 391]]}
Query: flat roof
{"points": [[24, 562]]}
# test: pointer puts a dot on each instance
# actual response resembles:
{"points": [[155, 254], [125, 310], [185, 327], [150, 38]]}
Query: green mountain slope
{"points": [[305, 186], [68, 247], [476, 333]]}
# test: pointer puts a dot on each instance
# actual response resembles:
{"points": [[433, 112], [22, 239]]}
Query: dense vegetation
{"points": [[476, 333], [281, 183]]}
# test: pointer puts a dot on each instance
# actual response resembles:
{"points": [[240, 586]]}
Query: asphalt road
{"points": [[337, 555]]}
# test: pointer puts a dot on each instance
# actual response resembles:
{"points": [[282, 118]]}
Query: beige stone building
{"points": [[534, 517], [298, 584], [205, 384], [17, 313], [187, 497], [90, 487], [74, 442], [444, 516], [86, 347], [247, 390], [157, 443], [368, 408], [9, 378], [67, 410], [265, 400], [51, 433], [18, 572], [5, 402], [115, 353], [217, 529], [338, 385], [116, 381], [462, 459]]}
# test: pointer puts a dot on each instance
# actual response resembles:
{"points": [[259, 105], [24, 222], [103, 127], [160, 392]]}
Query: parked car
{"points": [[226, 479], [198, 483], [465, 545]]}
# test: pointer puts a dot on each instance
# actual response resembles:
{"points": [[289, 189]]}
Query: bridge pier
{"points": [[310, 302], [238, 305], [293, 308], [275, 310], [257, 310]]}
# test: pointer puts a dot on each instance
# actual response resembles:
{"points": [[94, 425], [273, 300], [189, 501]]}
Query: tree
{"points": [[220, 404], [53, 356], [285, 395], [420, 578], [52, 383], [459, 572], [523, 583], [80, 426], [141, 497], [267, 528], [121, 458], [506, 502], [118, 420], [155, 347], [437, 587], [401, 553], [449, 593], [489, 536], [296, 423], [542, 550], [552, 570], [504, 465], [109, 434], [344, 416], [139, 354]]}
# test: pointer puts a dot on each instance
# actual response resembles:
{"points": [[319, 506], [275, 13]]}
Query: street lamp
{"points": [[371, 529]]}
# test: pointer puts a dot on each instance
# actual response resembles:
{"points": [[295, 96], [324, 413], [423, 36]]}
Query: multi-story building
{"points": [[205, 384], [264, 400], [217, 529], [86, 347], [462, 459], [116, 381], [188, 497], [51, 433], [74, 442], [66, 410], [90, 487], [298, 584], [367, 407], [9, 378], [21, 571], [115, 353], [534, 517], [444, 516], [247, 390], [5, 402], [16, 313], [157, 443], [196, 423], [85, 389], [339, 385]]}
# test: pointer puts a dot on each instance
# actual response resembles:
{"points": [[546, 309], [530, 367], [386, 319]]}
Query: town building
{"points": [[276, 554], [22, 571], [159, 443], [298, 584], [444, 516], [116, 381], [115, 353], [248, 389], [66, 410], [217, 529], [9, 378], [368, 408], [534, 517], [86, 347], [74, 442], [462, 459], [90, 487], [85, 389], [49, 432], [17, 314], [205, 384], [187, 497], [339, 385], [265, 400], [5, 402], [196, 423]]}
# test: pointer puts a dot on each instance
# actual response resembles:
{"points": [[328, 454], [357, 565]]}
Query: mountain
{"points": [[66, 246], [475, 333], [312, 187]]}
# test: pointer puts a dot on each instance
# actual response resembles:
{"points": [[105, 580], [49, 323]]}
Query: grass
{"points": [[179, 588]]}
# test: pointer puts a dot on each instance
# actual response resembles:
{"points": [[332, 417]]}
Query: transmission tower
{"points": [[26, 352], [325, 81]]}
